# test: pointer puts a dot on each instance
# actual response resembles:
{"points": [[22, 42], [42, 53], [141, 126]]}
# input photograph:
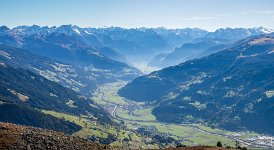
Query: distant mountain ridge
{"points": [[209, 43], [135, 45], [83, 66]]}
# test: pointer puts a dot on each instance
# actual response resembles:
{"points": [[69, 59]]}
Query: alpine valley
{"points": [[137, 88]]}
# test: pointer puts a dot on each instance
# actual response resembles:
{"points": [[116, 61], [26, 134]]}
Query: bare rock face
{"points": [[29, 138]]}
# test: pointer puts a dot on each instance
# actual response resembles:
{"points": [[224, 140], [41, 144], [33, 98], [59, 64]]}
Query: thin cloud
{"points": [[197, 18], [267, 12], [221, 16], [225, 15], [203, 18], [244, 13], [232, 14]]}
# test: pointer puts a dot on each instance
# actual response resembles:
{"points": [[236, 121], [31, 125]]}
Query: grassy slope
{"points": [[103, 131]]}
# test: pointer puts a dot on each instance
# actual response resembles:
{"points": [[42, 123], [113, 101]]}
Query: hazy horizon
{"points": [[209, 15], [132, 27]]}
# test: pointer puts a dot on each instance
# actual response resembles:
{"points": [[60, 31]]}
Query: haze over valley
{"points": [[139, 81]]}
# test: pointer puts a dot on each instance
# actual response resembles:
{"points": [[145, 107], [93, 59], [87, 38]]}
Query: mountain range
{"points": [[222, 79], [64, 57], [231, 89], [209, 43], [71, 44]]}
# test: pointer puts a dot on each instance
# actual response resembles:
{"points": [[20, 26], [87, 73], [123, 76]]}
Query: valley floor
{"points": [[133, 116], [138, 115]]}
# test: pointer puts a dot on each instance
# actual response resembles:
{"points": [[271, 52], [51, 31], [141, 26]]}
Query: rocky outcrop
{"points": [[27, 138]]}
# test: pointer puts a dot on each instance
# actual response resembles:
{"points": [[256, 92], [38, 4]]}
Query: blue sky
{"points": [[206, 14]]}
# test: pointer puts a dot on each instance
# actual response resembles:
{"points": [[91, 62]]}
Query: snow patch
{"points": [[3, 65], [87, 32], [77, 31], [267, 31], [5, 54], [271, 52]]}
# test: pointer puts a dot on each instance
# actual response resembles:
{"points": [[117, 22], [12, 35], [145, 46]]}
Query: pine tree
{"points": [[219, 144]]}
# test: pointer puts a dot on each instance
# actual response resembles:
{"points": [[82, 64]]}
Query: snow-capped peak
{"points": [[68, 29], [265, 30]]}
